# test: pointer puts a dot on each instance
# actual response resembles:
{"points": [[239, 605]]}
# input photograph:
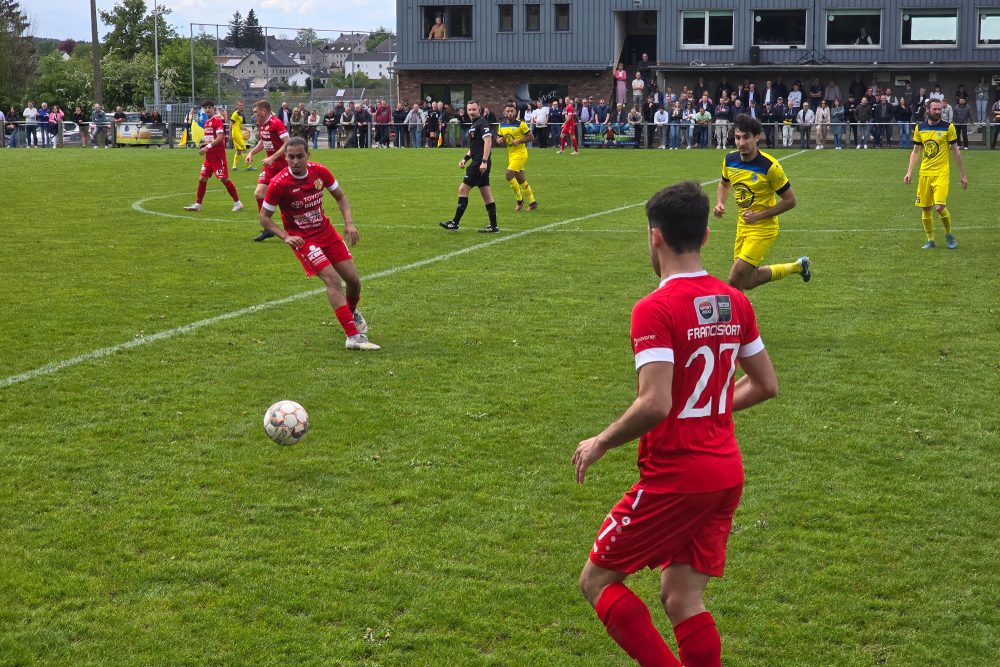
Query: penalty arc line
{"points": [[54, 367]]}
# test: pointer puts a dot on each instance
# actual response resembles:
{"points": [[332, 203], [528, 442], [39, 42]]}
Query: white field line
{"points": [[54, 367]]}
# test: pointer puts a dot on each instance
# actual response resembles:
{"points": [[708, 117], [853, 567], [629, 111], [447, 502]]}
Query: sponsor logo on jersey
{"points": [[706, 309], [318, 184], [713, 309]]}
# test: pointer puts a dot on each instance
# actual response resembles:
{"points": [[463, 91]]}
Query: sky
{"points": [[71, 19]]}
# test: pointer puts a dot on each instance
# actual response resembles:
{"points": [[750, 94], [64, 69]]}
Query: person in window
{"points": [[437, 30], [863, 37]]}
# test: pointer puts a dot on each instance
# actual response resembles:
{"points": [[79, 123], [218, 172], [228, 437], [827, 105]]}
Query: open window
{"points": [[856, 28]]}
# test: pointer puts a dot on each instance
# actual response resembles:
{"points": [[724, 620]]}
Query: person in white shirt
{"points": [[541, 118], [822, 124], [805, 119], [30, 114], [662, 120]]}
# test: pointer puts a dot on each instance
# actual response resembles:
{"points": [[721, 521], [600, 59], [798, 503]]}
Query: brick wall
{"points": [[494, 87]]}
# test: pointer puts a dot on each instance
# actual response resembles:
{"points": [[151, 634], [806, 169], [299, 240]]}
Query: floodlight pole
{"points": [[156, 53], [218, 68], [191, 41]]}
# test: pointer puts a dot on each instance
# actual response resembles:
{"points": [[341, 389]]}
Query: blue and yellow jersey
{"points": [[514, 131], [935, 140], [756, 184]]}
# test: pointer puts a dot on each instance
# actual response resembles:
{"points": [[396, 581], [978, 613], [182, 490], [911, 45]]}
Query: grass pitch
{"points": [[431, 516]]}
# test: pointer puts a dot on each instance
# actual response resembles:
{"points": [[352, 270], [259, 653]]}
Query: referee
{"points": [[477, 173]]}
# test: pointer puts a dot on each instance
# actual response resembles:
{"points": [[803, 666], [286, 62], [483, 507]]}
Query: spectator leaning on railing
{"points": [[99, 126]]}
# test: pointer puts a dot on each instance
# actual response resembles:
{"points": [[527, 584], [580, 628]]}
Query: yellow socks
{"points": [[946, 220], [516, 188], [779, 271], [526, 189], [925, 217]]}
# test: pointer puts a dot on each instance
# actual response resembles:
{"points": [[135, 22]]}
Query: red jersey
{"points": [[274, 134], [301, 202], [215, 127], [570, 117], [703, 326]]}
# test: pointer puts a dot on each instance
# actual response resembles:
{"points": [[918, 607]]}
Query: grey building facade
{"points": [[493, 48]]}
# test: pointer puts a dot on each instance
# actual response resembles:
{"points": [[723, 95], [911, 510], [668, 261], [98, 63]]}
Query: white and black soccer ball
{"points": [[286, 422]]}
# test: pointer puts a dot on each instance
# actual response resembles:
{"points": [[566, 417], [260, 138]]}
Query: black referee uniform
{"points": [[475, 177]]}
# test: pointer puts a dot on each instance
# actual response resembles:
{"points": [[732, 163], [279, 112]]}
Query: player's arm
{"points": [[278, 154], [961, 165], [721, 194], [650, 407], [487, 149], [914, 156], [350, 231], [528, 136], [786, 202], [266, 212], [758, 384]]}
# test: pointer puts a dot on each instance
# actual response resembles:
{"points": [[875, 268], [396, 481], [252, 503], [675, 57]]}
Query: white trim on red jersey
{"points": [[653, 354], [693, 274], [753, 347]]}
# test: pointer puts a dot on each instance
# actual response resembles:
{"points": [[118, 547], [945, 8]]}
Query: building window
{"points": [[454, 94], [703, 29], [456, 19], [562, 17], [937, 27], [854, 27], [533, 18], [505, 17], [989, 27], [779, 27]]}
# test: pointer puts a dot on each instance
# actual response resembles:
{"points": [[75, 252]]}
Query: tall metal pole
{"points": [[267, 68], [218, 68], [98, 94], [191, 28], [156, 53]]}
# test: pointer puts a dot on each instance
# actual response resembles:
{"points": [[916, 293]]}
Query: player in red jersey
{"points": [[569, 128], [273, 136], [214, 149], [688, 337], [322, 252]]}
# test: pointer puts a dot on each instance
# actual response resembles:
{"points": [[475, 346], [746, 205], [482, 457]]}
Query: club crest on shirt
{"points": [[713, 309], [318, 184]]}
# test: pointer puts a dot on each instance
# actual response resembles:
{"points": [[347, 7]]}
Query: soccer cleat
{"points": [[359, 322], [238, 206], [520, 205], [251, 168], [450, 225], [532, 206], [806, 265], [489, 229], [264, 235], [193, 207], [360, 342], [575, 153], [928, 246], [950, 240]]}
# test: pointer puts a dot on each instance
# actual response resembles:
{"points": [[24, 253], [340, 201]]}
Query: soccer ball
{"points": [[286, 422]]}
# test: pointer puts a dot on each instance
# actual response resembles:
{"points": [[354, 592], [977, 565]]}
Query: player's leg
{"points": [[682, 591], [463, 203], [925, 201], [515, 185], [625, 616], [258, 195], [747, 272], [202, 187], [338, 301], [522, 179], [939, 187], [352, 290], [231, 189], [491, 205]]}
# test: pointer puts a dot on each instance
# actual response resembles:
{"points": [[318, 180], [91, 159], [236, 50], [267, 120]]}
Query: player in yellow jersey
{"points": [[762, 192], [239, 142], [933, 139], [515, 134]]}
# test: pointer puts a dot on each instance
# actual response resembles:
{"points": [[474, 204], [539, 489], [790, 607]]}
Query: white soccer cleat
{"points": [[238, 206], [193, 207], [360, 342]]}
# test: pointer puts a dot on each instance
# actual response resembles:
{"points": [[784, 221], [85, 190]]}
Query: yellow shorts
{"points": [[517, 162], [753, 243], [932, 190]]}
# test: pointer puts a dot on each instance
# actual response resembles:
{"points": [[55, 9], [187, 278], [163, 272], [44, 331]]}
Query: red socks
{"points": [[346, 318], [576, 146], [628, 622], [232, 190], [202, 186], [698, 640]]}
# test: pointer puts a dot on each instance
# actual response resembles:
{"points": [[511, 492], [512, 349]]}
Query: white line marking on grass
{"points": [[49, 369]]}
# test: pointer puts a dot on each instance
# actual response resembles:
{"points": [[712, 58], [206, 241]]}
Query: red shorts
{"points": [[217, 166], [267, 174], [315, 258], [568, 128], [648, 529]]}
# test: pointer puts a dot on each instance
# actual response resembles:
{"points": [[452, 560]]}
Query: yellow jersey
{"points": [[511, 132], [237, 131], [934, 140], [756, 184]]}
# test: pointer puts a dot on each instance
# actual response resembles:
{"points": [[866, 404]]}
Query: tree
{"points": [[306, 38], [377, 38], [17, 52], [236, 30], [253, 34], [132, 28], [67, 46], [65, 82]]}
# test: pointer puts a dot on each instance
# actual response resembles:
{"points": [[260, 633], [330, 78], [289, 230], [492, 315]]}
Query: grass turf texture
{"points": [[431, 516]]}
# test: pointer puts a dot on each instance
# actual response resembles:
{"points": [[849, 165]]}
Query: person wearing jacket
{"points": [[805, 119], [962, 118], [822, 124], [837, 116]]}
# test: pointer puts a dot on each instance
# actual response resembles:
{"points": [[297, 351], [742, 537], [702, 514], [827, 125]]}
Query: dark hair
{"points": [[298, 141], [476, 102], [207, 103], [680, 212], [747, 124]]}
